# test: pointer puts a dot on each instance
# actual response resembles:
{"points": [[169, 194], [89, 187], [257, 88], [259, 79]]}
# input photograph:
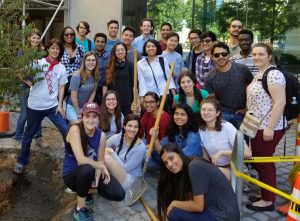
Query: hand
{"points": [[79, 116], [135, 108], [215, 157], [109, 150], [105, 175], [60, 109], [268, 134], [154, 133], [29, 83], [96, 179], [170, 207]]}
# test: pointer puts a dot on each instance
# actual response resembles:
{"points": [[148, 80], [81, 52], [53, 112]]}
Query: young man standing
{"points": [[83, 28], [245, 39], [233, 44], [147, 28], [128, 35], [228, 81], [194, 38], [112, 38], [100, 40], [165, 29]]}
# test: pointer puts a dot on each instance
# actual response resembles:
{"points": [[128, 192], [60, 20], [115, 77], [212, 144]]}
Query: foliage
{"points": [[166, 11], [12, 36]]}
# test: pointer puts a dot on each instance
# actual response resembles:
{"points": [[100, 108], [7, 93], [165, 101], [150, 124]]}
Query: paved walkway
{"points": [[111, 211]]}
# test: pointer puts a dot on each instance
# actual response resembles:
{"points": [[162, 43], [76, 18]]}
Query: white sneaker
{"points": [[68, 190]]}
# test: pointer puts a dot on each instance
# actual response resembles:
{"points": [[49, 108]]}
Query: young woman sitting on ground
{"points": [[217, 136], [125, 153], [193, 189], [83, 165], [111, 119]]}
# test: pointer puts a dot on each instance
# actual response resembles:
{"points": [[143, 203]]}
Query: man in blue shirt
{"points": [[100, 40], [112, 39], [147, 28], [83, 28]]}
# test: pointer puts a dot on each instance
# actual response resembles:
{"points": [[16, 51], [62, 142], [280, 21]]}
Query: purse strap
{"points": [[153, 75]]}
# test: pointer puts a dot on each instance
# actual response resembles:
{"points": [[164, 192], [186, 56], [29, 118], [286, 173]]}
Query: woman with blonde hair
{"points": [[82, 87]]}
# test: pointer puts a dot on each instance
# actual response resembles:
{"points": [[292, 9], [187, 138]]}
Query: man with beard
{"points": [[165, 29], [228, 81], [245, 39], [112, 39], [233, 44]]}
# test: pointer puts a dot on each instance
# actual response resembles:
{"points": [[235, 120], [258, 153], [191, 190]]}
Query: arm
{"points": [[61, 90], [104, 89], [75, 104], [93, 94], [277, 93], [194, 205]]}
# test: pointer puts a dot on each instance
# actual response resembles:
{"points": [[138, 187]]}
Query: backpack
{"points": [[292, 92]]}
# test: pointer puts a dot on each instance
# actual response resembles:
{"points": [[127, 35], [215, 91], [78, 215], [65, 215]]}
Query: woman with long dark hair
{"points": [[82, 87], [192, 189], [217, 136], [119, 76], [188, 92], [111, 119], [182, 130], [125, 153], [83, 165]]}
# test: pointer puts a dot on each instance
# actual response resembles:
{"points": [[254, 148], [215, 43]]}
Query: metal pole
{"points": [[48, 26]]}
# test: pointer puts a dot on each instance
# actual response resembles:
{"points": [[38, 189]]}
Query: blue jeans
{"points": [[24, 93], [34, 119], [235, 119], [177, 214]]}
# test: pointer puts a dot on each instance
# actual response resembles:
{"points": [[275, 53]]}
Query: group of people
{"points": [[87, 89]]}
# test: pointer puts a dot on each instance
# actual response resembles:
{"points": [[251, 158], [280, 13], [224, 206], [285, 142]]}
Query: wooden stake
{"points": [[135, 79], [148, 209]]}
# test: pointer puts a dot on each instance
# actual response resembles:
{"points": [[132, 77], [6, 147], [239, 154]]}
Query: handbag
{"points": [[251, 124]]}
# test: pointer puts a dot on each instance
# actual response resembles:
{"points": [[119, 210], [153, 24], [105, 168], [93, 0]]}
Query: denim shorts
{"points": [[70, 111]]}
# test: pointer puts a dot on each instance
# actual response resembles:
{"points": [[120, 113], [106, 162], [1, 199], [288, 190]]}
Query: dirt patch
{"points": [[39, 194]]}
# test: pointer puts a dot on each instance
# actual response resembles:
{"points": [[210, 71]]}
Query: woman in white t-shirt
{"points": [[217, 136], [271, 130]]}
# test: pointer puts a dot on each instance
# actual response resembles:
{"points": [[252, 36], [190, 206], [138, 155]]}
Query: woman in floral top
{"points": [[272, 128]]}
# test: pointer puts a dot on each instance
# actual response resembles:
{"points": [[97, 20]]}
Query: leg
{"points": [[34, 119], [177, 214], [23, 96], [112, 191], [58, 121], [115, 168], [226, 172], [80, 181]]}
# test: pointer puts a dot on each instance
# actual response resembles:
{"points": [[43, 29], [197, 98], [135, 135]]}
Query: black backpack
{"points": [[292, 92]]}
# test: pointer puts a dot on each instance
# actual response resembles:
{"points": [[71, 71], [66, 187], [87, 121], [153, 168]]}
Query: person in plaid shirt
{"points": [[204, 63]]}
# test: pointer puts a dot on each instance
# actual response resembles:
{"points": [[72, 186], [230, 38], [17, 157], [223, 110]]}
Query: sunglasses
{"points": [[224, 54], [69, 34]]}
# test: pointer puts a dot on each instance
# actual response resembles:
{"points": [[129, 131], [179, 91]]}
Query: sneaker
{"points": [[82, 215], [41, 142], [135, 191], [18, 169], [17, 144], [68, 190], [89, 199]]}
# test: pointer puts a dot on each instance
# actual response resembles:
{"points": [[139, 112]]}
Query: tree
{"points": [[166, 11], [12, 36]]}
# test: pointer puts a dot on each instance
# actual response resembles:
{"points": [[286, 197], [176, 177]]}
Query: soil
{"points": [[38, 194]]}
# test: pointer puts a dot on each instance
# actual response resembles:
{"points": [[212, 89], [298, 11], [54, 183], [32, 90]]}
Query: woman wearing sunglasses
{"points": [[73, 53]]}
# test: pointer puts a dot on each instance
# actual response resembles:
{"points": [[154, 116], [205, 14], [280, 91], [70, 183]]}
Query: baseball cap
{"points": [[90, 107]]}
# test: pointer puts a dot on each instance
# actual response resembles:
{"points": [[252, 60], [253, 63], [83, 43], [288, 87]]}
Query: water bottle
{"points": [[294, 107]]}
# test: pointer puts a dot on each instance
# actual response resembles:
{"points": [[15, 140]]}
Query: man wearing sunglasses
{"points": [[234, 27], [228, 81]]}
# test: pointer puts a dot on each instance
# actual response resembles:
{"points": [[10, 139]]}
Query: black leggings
{"points": [[80, 181]]}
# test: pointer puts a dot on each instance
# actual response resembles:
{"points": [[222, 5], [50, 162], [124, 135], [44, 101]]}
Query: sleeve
{"points": [[74, 83], [136, 158], [143, 125], [131, 74], [141, 79], [113, 141], [167, 69], [231, 132], [276, 77], [192, 145], [204, 93], [208, 83], [249, 76], [64, 77], [163, 125], [176, 99], [198, 71]]}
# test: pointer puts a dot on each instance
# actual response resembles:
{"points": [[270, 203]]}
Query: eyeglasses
{"points": [[111, 99], [236, 26], [206, 41], [69, 34], [90, 60], [224, 54], [149, 102]]}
